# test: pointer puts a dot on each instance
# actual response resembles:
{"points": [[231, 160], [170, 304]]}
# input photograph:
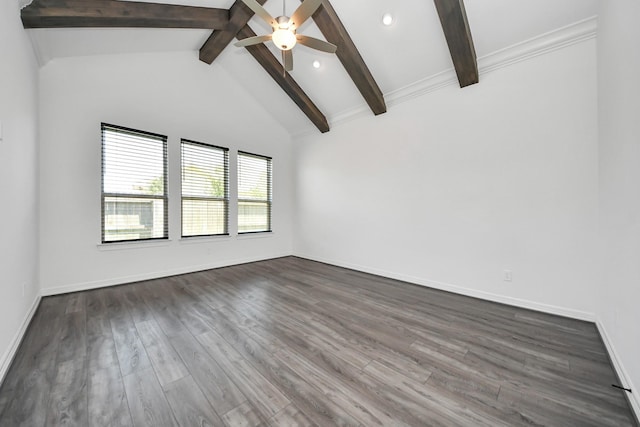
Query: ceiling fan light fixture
{"points": [[284, 35], [284, 39]]}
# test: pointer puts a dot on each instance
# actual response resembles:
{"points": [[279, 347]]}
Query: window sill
{"points": [[204, 239], [255, 235], [118, 246]]}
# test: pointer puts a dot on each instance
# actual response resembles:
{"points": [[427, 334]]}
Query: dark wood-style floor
{"points": [[290, 342]]}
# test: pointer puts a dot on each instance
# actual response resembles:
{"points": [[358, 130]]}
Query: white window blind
{"points": [[205, 189], [134, 185], [254, 193]]}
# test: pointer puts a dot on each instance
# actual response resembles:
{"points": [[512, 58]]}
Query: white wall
{"points": [[18, 179], [172, 94], [619, 135], [453, 187]]}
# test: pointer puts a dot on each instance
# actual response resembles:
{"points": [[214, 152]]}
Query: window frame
{"points": [[268, 201], [226, 198], [103, 195]]}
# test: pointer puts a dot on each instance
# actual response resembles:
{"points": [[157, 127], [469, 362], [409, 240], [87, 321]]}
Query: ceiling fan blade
{"points": [[287, 60], [316, 44], [303, 12], [261, 12], [250, 41]]}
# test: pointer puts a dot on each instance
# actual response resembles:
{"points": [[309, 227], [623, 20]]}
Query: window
{"points": [[205, 189], [134, 185], [254, 193]]}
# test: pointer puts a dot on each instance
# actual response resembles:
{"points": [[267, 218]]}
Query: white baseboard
{"points": [[517, 302], [83, 286], [9, 354], [625, 379]]}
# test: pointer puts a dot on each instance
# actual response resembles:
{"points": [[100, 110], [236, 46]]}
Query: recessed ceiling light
{"points": [[387, 19], [316, 64]]}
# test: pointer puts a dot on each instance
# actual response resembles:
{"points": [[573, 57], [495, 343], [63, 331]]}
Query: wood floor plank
{"points": [[147, 402], [565, 408], [98, 324], [159, 299], [264, 395], [151, 333], [189, 405], [357, 347], [292, 342], [261, 393], [28, 383], [359, 402], [428, 397], [194, 319], [291, 417], [243, 416], [134, 303], [29, 401], [68, 399], [166, 362], [219, 349], [168, 321], [112, 301], [42, 342], [220, 391], [305, 396], [313, 332], [95, 303], [101, 351], [445, 363], [77, 301], [131, 353], [73, 339], [107, 400]]}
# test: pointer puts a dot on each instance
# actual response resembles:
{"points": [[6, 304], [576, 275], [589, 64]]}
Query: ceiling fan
{"points": [[284, 30]]}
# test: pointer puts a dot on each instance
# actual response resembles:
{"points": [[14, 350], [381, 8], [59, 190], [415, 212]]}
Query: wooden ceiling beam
{"points": [[113, 13], [263, 55], [334, 31], [239, 16], [453, 18]]}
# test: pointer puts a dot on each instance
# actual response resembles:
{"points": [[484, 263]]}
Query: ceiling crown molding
{"points": [[554, 40], [540, 45]]}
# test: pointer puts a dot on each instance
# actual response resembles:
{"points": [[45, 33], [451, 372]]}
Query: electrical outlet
{"points": [[507, 276]]}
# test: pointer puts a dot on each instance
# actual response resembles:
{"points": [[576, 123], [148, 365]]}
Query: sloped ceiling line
{"points": [[569, 35], [239, 16], [263, 55], [334, 31], [231, 23]]}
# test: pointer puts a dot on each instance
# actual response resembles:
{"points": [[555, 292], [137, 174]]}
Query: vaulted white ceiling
{"points": [[410, 50]]}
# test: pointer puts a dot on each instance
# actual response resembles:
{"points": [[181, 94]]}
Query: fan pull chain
{"points": [[284, 66]]}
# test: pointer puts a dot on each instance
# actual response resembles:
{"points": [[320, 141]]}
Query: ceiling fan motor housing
{"points": [[283, 37]]}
